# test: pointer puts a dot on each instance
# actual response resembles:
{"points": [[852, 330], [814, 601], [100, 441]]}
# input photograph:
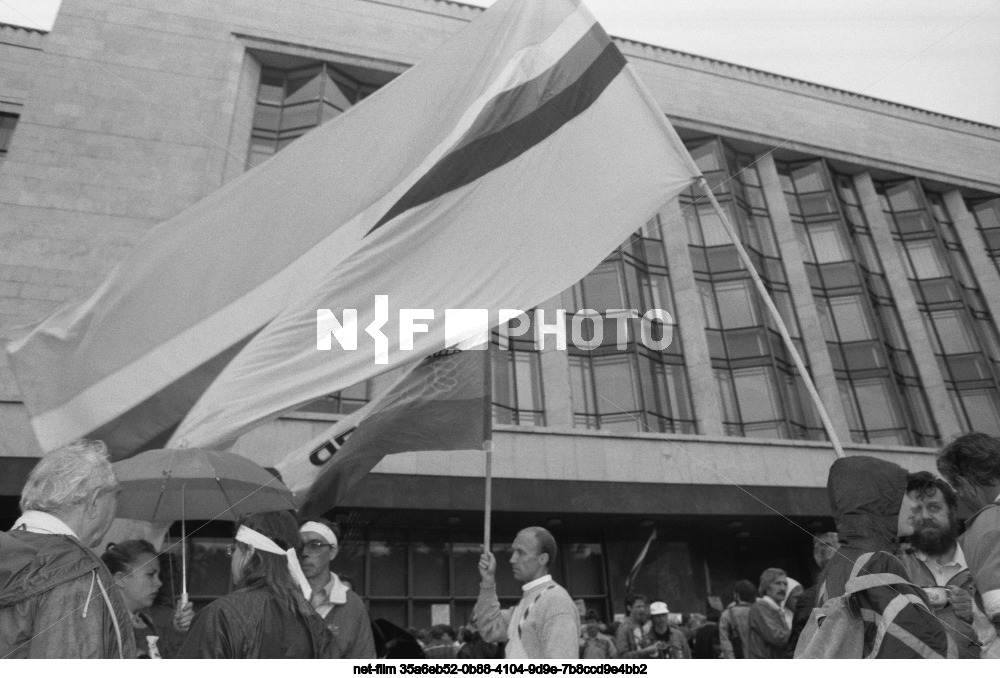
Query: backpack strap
{"points": [[863, 582]]}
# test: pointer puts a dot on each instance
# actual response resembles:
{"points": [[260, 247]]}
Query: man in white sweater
{"points": [[545, 624]]}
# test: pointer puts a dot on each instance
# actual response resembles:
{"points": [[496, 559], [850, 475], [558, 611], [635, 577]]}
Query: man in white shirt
{"points": [[545, 624]]}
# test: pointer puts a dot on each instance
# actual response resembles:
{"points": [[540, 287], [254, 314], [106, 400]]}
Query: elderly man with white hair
{"points": [[57, 599]]}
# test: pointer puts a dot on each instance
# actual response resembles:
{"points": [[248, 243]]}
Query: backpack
{"points": [[735, 639], [836, 630]]}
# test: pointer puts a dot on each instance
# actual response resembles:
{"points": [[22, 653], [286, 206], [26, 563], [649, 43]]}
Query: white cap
{"points": [[659, 607]]}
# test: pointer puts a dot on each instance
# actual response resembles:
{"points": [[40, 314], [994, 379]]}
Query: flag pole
{"points": [[796, 358], [488, 444]]}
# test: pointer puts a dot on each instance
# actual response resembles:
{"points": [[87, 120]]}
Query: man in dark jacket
{"points": [[872, 511], [57, 599]]}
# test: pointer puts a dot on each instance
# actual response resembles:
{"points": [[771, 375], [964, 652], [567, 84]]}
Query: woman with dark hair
{"points": [[268, 616], [135, 567]]}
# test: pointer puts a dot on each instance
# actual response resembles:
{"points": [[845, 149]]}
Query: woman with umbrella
{"points": [[268, 616]]}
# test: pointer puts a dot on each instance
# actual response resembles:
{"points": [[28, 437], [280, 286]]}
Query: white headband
{"points": [[320, 529], [254, 538]]}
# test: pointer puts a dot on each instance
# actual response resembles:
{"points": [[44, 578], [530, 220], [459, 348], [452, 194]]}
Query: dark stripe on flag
{"points": [[149, 425], [517, 103], [480, 157]]}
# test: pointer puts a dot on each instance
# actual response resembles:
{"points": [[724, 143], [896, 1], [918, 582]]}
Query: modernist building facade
{"points": [[875, 227]]}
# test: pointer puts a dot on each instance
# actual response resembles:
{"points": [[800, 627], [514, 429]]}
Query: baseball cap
{"points": [[659, 607]]}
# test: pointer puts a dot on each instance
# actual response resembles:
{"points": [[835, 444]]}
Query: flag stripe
{"points": [[482, 156], [518, 102], [151, 422]]}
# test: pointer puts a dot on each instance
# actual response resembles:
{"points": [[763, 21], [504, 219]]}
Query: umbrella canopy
{"points": [[196, 484]]}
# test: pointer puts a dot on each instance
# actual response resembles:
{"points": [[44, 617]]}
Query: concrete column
{"points": [[805, 307], [975, 249], [906, 304], [555, 372], [691, 322]]}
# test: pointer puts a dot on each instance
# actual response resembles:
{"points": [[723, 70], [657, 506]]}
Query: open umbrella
{"points": [[176, 484]]}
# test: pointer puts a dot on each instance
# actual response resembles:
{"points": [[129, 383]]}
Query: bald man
{"points": [[545, 624]]}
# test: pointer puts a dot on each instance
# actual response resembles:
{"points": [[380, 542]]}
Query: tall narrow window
{"points": [[987, 215], [292, 101], [618, 382], [961, 329], [876, 376], [759, 390], [517, 380]]}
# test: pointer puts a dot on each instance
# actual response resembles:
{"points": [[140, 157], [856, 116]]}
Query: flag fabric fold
{"points": [[494, 174], [441, 404]]}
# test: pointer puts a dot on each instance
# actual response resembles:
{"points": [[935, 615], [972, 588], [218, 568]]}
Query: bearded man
{"points": [[934, 559]]}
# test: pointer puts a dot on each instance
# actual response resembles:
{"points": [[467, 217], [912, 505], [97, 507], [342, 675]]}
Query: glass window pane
{"points": [[430, 569], [272, 87], [954, 332], [927, 259], [727, 395], [602, 288], [350, 563], [983, 408], [302, 115], [713, 232], [529, 388], [706, 156], [828, 242], [581, 385], [339, 95], [465, 565], [394, 612], [585, 565], [736, 305], [614, 380], [850, 405], [903, 197], [851, 319], [389, 563], [756, 394], [304, 86], [809, 178], [877, 404]]}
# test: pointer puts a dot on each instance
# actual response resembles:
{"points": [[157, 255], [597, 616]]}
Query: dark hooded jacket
{"points": [[866, 495], [57, 600], [254, 623]]}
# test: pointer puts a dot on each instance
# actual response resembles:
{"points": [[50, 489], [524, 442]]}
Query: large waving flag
{"points": [[493, 175]]}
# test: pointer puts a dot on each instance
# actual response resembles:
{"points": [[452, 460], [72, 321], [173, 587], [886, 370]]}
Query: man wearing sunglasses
{"points": [[342, 609]]}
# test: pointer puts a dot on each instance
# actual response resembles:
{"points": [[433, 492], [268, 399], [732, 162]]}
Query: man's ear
{"points": [[544, 558]]}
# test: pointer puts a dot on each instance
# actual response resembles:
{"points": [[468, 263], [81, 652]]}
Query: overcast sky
{"points": [[940, 55]]}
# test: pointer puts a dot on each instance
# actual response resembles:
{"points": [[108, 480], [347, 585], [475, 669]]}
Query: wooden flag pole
{"points": [[488, 444], [796, 358]]}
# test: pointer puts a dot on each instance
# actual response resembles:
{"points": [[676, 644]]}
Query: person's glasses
{"points": [[315, 546], [231, 549]]}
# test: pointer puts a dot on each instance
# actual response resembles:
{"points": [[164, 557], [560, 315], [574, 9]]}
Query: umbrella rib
{"points": [[225, 496]]}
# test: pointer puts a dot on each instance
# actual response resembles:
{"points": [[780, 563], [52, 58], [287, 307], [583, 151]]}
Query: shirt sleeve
{"points": [[491, 621]]}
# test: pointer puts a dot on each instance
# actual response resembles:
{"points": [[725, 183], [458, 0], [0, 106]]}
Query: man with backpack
{"points": [[883, 615]]}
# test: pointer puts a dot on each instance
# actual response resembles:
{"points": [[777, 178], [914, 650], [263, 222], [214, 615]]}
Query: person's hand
{"points": [[183, 616], [488, 569], [961, 603]]}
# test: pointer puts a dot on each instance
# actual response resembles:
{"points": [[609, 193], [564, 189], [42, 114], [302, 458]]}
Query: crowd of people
{"points": [[898, 579]]}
